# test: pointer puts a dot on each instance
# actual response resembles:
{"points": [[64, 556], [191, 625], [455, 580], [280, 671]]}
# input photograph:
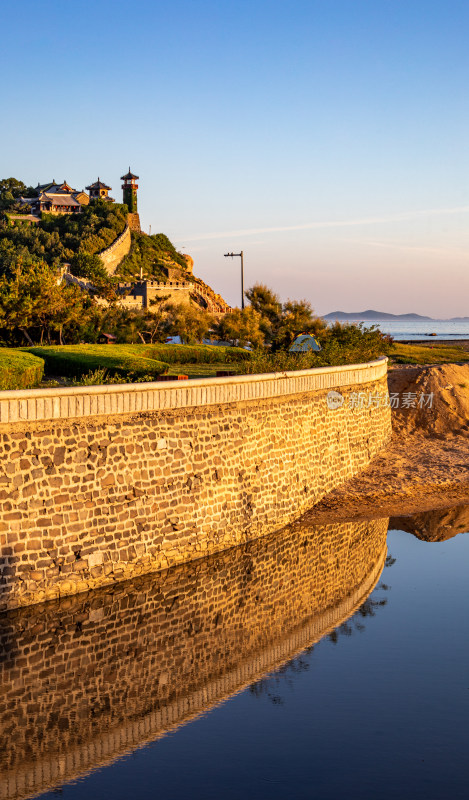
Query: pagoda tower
{"points": [[129, 189], [99, 191]]}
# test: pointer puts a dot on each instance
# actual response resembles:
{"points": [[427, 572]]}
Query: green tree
{"points": [[34, 302], [191, 323], [281, 323], [10, 190], [90, 267], [268, 305], [241, 327], [297, 317], [154, 326]]}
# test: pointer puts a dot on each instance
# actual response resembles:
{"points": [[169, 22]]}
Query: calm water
{"points": [[420, 329], [273, 671]]}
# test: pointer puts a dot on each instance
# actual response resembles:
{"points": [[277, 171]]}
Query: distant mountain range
{"points": [[371, 314]]}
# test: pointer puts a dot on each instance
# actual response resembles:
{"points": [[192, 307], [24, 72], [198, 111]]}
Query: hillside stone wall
{"points": [[133, 221], [88, 679], [173, 291], [113, 255], [101, 484]]}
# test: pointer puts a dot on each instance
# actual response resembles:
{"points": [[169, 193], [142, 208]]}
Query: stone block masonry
{"points": [[105, 483], [133, 221], [113, 255]]}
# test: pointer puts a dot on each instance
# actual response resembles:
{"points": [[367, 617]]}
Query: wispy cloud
{"points": [[349, 223], [411, 248]]}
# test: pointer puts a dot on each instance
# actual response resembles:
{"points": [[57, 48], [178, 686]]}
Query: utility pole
{"points": [[241, 256]]}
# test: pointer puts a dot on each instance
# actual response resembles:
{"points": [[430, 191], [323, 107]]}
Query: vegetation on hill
{"points": [[19, 370], [77, 239], [149, 255], [61, 238], [34, 306], [11, 190], [91, 231]]}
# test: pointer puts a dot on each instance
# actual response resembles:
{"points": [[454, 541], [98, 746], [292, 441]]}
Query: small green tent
{"points": [[304, 343]]}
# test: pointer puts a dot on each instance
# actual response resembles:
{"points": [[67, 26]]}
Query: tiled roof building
{"points": [[99, 191], [61, 198], [56, 198]]}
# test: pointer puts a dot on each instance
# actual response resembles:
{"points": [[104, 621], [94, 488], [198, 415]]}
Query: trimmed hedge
{"points": [[74, 361], [194, 354], [19, 370]]}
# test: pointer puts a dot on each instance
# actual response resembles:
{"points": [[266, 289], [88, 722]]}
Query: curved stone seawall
{"points": [[87, 679], [113, 255], [108, 482]]}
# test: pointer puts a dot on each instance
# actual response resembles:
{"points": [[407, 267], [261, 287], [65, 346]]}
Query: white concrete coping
{"points": [[30, 405]]}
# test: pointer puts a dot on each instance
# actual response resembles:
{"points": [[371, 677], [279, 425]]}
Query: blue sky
{"points": [[327, 139]]}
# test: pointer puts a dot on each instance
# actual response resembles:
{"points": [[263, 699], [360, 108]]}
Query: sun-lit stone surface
{"points": [[107, 483]]}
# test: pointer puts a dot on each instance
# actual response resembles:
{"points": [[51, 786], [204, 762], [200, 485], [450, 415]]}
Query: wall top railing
{"points": [[32, 405]]}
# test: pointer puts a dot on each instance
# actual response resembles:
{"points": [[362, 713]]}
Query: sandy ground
{"points": [[426, 466]]}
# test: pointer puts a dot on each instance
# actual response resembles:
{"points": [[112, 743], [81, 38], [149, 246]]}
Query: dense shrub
{"points": [[88, 266], [78, 360], [341, 344], [19, 370], [195, 354]]}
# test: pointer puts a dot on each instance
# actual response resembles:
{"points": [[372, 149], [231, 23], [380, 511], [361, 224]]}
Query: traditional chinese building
{"points": [[61, 198], [56, 198], [99, 191], [129, 189]]}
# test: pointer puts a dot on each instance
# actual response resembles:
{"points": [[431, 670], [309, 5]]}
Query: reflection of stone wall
{"points": [[91, 677], [88, 501]]}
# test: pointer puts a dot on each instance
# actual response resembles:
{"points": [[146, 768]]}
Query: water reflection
{"points": [[93, 677], [437, 525]]}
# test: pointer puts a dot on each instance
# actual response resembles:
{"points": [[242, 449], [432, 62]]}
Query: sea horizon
{"points": [[431, 329]]}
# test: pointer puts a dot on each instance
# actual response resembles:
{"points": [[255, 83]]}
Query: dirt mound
{"points": [[433, 401]]}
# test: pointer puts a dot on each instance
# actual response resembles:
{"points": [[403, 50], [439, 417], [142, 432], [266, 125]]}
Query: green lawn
{"points": [[138, 361], [75, 361], [427, 354]]}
